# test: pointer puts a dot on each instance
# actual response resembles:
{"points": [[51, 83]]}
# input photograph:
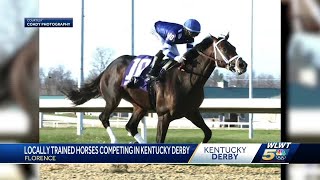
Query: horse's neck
{"points": [[199, 75]]}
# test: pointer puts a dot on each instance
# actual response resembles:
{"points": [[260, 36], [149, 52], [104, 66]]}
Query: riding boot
{"points": [[155, 66]]}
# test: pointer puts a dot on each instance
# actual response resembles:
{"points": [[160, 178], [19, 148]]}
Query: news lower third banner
{"points": [[48, 22], [277, 152]]}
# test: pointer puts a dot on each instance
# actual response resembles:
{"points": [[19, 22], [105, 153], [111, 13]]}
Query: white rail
{"points": [[256, 105]]}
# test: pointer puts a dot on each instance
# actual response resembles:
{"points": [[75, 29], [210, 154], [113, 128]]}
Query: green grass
{"points": [[99, 135]]}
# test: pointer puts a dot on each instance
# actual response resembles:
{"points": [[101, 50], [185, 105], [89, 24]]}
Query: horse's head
{"points": [[226, 55]]}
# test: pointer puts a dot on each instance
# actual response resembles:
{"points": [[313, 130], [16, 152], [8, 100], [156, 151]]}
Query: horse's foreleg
{"points": [[196, 119], [162, 128], [132, 125]]}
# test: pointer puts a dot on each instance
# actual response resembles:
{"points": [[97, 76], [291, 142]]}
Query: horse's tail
{"points": [[88, 91]]}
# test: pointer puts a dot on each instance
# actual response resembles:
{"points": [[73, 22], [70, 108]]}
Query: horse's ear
{"points": [[227, 36], [212, 37]]}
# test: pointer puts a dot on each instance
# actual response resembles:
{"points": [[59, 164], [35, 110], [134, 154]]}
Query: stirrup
{"points": [[161, 75], [152, 73], [151, 76], [132, 83]]}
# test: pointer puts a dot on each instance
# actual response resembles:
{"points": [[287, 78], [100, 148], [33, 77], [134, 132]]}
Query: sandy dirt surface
{"points": [[146, 171]]}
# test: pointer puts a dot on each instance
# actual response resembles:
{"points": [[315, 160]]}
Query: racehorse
{"points": [[179, 95]]}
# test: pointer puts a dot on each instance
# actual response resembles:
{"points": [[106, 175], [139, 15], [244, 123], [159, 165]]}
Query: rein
{"points": [[209, 57], [198, 74], [188, 71], [194, 73]]}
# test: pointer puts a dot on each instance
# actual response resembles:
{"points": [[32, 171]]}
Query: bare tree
{"points": [[266, 81], [41, 75], [42, 78], [214, 79], [101, 59], [258, 81], [58, 78], [239, 81]]}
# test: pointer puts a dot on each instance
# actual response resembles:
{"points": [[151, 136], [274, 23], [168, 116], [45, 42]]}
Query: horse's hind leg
{"points": [[132, 125], [111, 104], [111, 91], [196, 119], [104, 118]]}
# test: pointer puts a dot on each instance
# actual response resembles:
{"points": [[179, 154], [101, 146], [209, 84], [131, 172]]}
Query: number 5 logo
{"points": [[268, 154]]}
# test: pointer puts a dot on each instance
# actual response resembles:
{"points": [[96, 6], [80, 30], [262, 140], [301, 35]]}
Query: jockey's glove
{"points": [[179, 59], [182, 66]]}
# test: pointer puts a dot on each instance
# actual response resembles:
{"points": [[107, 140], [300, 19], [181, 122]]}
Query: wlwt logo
{"points": [[276, 152]]}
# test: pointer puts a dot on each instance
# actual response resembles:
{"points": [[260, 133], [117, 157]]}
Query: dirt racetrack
{"points": [[146, 171]]}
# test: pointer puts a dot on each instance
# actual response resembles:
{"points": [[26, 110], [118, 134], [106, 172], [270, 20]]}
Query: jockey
{"points": [[171, 34]]}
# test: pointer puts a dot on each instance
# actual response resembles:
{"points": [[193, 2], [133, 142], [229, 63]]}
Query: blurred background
{"points": [[19, 72], [301, 35], [304, 65]]}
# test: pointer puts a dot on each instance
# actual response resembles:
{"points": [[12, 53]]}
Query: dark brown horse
{"points": [[179, 95]]}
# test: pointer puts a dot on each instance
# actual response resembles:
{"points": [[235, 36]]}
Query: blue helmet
{"points": [[192, 25]]}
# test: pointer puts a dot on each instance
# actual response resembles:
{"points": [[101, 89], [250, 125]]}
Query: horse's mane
{"points": [[203, 45]]}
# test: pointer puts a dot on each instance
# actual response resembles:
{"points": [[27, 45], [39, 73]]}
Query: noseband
{"points": [[216, 49]]}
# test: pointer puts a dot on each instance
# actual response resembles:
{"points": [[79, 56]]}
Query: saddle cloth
{"points": [[139, 67]]}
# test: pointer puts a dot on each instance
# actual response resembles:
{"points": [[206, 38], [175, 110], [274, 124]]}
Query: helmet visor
{"points": [[193, 34]]}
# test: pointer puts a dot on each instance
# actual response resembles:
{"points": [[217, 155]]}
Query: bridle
{"points": [[227, 61]]}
